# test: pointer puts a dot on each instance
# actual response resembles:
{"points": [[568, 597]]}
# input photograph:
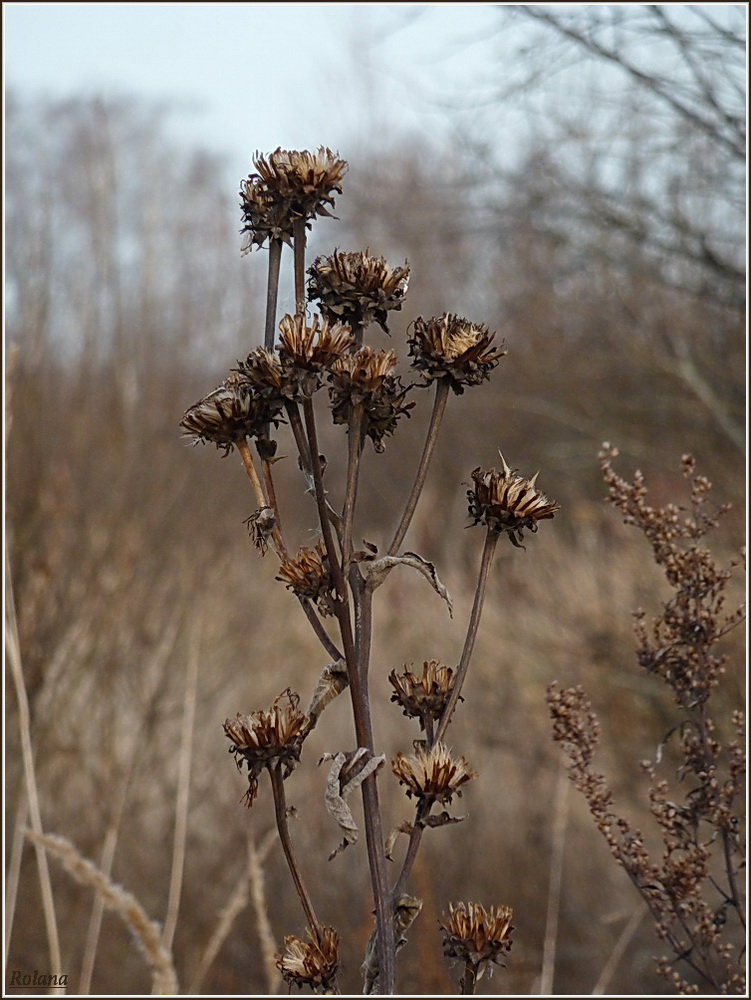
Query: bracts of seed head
{"points": [[313, 963], [269, 738], [478, 937], [357, 289]]}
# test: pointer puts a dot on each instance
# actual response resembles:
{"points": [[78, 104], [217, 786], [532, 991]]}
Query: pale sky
{"points": [[258, 75]]}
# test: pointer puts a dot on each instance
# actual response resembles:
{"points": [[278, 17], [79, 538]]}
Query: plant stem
{"points": [[299, 238], [280, 810], [353, 475], [363, 729], [273, 503], [384, 902], [469, 979], [272, 292], [491, 540], [439, 407], [245, 454]]}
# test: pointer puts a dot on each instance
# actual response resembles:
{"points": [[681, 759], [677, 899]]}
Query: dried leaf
{"points": [[347, 773], [332, 682], [376, 571], [392, 838]]}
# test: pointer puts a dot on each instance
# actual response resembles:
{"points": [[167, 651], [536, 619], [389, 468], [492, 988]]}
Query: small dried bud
{"points": [[308, 575], [288, 185], [314, 963], [453, 348], [230, 413], [265, 738], [423, 697], [476, 935], [432, 775], [356, 289], [367, 377], [260, 526], [507, 502]]}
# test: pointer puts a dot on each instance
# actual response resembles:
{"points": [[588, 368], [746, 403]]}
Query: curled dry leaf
{"points": [[346, 774], [332, 682], [375, 572]]}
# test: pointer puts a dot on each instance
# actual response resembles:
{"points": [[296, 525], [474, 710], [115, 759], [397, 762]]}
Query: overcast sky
{"points": [[258, 75]]}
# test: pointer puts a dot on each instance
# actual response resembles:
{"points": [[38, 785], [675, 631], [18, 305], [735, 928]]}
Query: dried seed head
{"points": [[453, 348], [230, 413], [306, 349], [423, 697], [476, 935], [368, 378], [312, 963], [288, 185], [265, 738], [507, 502], [432, 775], [356, 289], [308, 575]]}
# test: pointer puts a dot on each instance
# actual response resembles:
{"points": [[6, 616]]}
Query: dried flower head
{"points": [[423, 697], [356, 288], [262, 739], [453, 348], [368, 378], [507, 502], [313, 963], [476, 935], [288, 185], [307, 349], [309, 575], [432, 775], [230, 413]]}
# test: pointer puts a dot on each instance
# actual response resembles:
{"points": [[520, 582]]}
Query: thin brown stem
{"points": [[353, 476], [255, 482], [247, 457], [272, 292], [491, 540], [274, 504], [469, 980], [280, 810], [415, 838], [384, 906], [320, 631], [299, 237], [363, 729], [439, 408]]}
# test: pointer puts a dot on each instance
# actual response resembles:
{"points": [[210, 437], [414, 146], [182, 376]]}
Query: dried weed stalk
{"points": [[694, 888], [322, 362]]}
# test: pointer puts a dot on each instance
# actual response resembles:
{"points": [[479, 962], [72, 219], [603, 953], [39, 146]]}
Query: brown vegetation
{"points": [[144, 617]]}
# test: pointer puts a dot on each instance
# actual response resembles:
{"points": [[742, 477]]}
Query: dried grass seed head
{"points": [[476, 935], [230, 413], [288, 185], [432, 775], [505, 501], [357, 288], [308, 575], [265, 738], [313, 963], [452, 347], [424, 697], [368, 378]]}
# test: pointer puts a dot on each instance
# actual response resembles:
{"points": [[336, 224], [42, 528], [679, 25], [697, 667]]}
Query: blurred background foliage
{"points": [[607, 250]]}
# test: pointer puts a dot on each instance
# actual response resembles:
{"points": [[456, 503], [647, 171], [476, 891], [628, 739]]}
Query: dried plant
{"points": [[335, 580], [693, 884]]}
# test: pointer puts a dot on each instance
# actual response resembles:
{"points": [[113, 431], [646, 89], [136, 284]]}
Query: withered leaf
{"points": [[346, 774]]}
